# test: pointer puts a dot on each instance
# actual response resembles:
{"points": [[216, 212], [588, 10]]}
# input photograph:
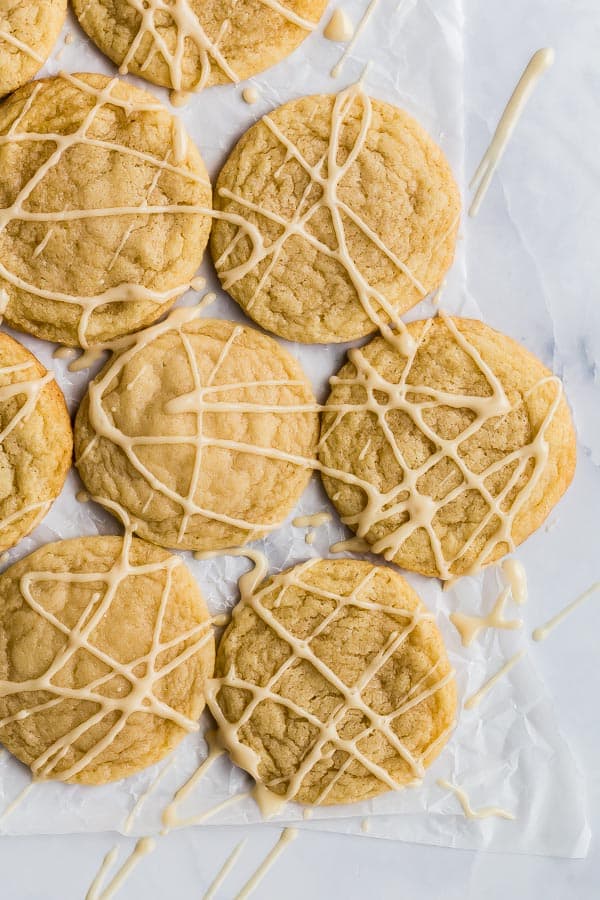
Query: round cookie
{"points": [[447, 460], [355, 211], [204, 430], [28, 32], [332, 684], [74, 273], [219, 40], [36, 441], [112, 642]]}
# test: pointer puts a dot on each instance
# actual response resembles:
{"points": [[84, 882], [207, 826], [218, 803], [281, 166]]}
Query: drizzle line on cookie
{"points": [[141, 697], [270, 800], [379, 506]]}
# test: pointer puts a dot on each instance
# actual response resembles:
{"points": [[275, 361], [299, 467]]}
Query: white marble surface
{"points": [[534, 269]]}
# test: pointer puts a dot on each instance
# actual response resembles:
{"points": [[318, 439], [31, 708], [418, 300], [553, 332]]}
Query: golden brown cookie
{"points": [[36, 441], [355, 213], [204, 430], [192, 44], [105, 645], [446, 460], [332, 684], [102, 223], [28, 31]]}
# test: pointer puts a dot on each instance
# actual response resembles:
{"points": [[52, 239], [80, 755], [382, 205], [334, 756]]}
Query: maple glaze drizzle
{"points": [[141, 697], [190, 31], [270, 801]]}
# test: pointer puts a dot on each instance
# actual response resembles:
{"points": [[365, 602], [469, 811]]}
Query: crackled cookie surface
{"points": [[192, 44], [332, 683], [450, 457], [103, 206], [28, 31], [105, 646], [36, 441], [204, 430], [357, 210]]}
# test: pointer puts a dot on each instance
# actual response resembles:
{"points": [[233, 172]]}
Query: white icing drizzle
{"points": [[205, 397], [64, 353], [285, 838], [215, 750], [93, 892], [352, 545], [4, 300], [30, 389], [470, 626], [370, 298], [170, 820], [537, 65], [43, 243], [198, 283], [365, 449], [476, 698], [270, 801], [9, 38], [142, 848], [189, 30], [436, 297], [340, 27], [180, 143], [313, 521], [206, 814], [542, 632], [141, 697], [370, 9], [17, 210], [411, 399], [132, 815], [250, 95], [224, 871], [405, 498], [179, 98], [483, 813], [16, 801], [516, 577], [87, 359]]}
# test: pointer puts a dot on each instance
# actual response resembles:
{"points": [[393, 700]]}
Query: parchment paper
{"points": [[508, 752]]}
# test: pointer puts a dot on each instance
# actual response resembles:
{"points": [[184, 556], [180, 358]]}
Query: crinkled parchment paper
{"points": [[507, 752]]}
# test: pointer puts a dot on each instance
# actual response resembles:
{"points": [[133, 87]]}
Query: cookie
{"points": [[28, 31], [446, 460], [192, 44], [36, 441], [204, 430], [104, 208], [355, 211], [105, 645], [332, 684]]}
